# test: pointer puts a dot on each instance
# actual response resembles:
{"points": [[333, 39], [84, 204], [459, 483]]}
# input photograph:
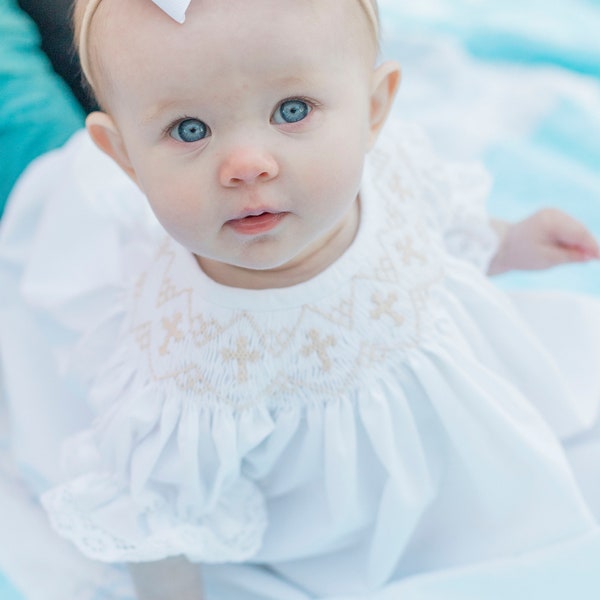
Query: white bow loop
{"points": [[174, 8]]}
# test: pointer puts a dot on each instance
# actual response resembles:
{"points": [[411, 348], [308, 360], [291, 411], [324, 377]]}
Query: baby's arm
{"points": [[170, 579], [547, 238]]}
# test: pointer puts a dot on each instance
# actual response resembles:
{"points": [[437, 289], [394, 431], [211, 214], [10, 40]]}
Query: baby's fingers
{"points": [[575, 240], [578, 254], [559, 255], [582, 248]]}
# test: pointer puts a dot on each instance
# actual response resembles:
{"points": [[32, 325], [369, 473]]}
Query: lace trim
{"points": [[232, 533]]}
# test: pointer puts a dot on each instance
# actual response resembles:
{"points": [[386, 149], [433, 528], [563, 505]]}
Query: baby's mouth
{"points": [[254, 224]]}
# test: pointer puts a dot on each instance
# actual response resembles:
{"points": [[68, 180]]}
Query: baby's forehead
{"points": [[114, 21]]}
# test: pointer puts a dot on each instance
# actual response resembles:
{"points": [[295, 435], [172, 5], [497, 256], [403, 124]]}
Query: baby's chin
{"points": [[255, 273], [258, 262]]}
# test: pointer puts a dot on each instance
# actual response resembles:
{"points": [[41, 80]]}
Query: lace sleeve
{"points": [[453, 196], [458, 197]]}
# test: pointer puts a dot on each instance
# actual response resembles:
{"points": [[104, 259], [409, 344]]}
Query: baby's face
{"points": [[247, 133]]}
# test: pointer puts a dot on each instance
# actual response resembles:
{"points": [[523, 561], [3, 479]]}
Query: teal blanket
{"points": [[37, 110]]}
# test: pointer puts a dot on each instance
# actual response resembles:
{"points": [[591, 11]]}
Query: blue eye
{"points": [[291, 111], [189, 130]]}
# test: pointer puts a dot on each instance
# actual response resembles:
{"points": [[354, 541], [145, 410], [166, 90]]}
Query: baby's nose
{"points": [[247, 166]]}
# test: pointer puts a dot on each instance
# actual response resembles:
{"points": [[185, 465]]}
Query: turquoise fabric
{"points": [[37, 113], [7, 592], [37, 110], [560, 32]]}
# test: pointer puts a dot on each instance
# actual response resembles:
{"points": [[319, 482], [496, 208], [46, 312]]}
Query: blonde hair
{"points": [[85, 10]]}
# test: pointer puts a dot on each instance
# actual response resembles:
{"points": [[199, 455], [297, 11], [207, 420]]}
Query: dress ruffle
{"points": [[159, 476]]}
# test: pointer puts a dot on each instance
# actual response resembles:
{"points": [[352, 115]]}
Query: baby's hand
{"points": [[547, 238]]}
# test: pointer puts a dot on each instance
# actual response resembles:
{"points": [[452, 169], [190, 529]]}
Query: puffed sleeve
{"points": [[452, 195], [75, 232], [160, 474]]}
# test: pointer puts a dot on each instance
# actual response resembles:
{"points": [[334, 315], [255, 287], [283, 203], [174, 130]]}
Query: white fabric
{"points": [[391, 428]]}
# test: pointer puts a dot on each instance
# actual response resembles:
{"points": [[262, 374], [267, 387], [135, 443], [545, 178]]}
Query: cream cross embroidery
{"points": [[242, 356], [173, 332], [319, 347], [408, 252], [386, 307], [167, 292]]}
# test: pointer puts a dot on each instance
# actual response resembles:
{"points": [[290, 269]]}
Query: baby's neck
{"points": [[312, 262]]}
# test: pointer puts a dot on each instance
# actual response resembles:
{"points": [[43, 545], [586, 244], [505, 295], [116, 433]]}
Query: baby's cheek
{"points": [[344, 172], [172, 207]]}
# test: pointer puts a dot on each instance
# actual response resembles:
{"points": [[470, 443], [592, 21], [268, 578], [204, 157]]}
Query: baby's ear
{"points": [[106, 135], [385, 83]]}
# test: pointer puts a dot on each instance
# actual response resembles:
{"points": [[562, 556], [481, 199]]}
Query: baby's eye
{"points": [[189, 130], [291, 111]]}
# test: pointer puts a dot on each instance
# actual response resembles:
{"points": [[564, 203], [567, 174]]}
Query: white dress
{"points": [[392, 428]]}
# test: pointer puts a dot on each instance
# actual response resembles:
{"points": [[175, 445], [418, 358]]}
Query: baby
{"points": [[306, 390]]}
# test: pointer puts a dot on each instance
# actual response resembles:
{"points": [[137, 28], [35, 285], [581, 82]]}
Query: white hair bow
{"points": [[174, 8]]}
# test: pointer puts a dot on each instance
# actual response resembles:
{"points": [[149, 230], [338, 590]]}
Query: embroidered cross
{"points": [[167, 291], [173, 332], [242, 356], [190, 380], [371, 354], [319, 347], [408, 252], [386, 307]]}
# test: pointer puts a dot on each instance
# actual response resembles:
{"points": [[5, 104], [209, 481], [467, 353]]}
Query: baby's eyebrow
{"points": [[156, 110], [283, 82], [291, 80]]}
